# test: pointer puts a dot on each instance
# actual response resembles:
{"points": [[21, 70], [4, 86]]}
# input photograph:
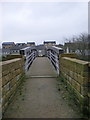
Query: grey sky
{"points": [[23, 22]]}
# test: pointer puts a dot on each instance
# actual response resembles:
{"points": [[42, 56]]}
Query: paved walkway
{"points": [[42, 67], [39, 96]]}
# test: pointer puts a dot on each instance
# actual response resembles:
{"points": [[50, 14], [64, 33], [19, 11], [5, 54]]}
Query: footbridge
{"points": [[52, 53], [33, 87], [41, 97]]}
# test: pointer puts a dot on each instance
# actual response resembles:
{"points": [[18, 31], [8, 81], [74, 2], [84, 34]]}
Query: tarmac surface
{"points": [[38, 96]]}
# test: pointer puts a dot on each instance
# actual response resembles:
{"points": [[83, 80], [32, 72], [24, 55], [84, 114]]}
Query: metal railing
{"points": [[30, 54], [53, 55], [30, 59]]}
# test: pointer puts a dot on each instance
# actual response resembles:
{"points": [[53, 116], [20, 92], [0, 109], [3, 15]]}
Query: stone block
{"points": [[13, 90], [84, 90], [5, 67], [69, 87], [17, 65], [3, 91], [79, 97], [3, 100], [76, 85], [18, 71], [4, 80], [70, 80], [18, 77], [75, 76], [5, 88], [67, 77], [18, 83], [81, 67], [12, 82], [0, 82], [1, 75], [4, 107], [82, 80], [14, 87], [14, 73], [8, 95], [5, 72], [71, 74]]}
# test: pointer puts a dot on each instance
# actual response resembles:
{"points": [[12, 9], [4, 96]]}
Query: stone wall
{"points": [[76, 75], [12, 74]]}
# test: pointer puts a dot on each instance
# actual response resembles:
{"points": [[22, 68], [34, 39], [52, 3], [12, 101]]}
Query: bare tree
{"points": [[80, 44]]}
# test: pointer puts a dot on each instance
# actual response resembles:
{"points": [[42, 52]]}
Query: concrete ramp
{"points": [[41, 68]]}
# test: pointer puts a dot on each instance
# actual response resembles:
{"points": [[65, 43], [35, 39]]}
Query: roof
{"points": [[19, 43], [18, 47], [9, 43], [25, 48], [40, 47], [30, 48], [30, 42], [61, 45], [49, 42]]}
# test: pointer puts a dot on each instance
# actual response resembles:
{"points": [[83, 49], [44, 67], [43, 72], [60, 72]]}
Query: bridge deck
{"points": [[39, 97], [42, 67]]}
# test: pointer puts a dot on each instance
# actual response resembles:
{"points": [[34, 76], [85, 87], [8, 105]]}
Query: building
{"points": [[30, 43], [16, 49], [6, 51], [20, 44], [59, 45], [7, 45], [68, 47], [41, 49], [49, 43]]}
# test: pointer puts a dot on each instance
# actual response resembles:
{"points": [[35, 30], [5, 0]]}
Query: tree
{"points": [[80, 44]]}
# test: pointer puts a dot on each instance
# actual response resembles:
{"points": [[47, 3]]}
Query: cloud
{"points": [[37, 22]]}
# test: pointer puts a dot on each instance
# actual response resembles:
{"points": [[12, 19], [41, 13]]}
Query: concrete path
{"points": [[39, 97]]}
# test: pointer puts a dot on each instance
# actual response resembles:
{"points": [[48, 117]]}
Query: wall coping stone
{"points": [[9, 61], [77, 60]]}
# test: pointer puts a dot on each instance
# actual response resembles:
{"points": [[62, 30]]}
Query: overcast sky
{"points": [[27, 22]]}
